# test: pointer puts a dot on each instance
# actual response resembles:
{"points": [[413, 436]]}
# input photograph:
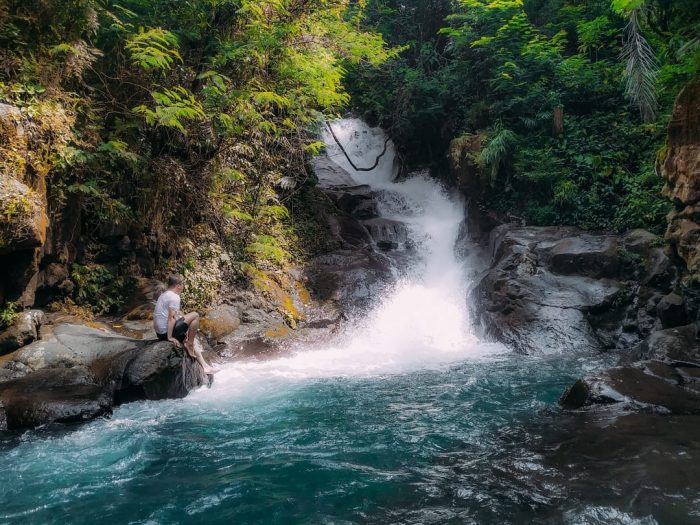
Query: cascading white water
{"points": [[423, 321]]}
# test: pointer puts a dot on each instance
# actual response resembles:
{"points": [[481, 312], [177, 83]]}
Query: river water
{"points": [[406, 417]]}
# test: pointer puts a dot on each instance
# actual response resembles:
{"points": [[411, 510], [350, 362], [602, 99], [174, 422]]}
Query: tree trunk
{"points": [[558, 121]]}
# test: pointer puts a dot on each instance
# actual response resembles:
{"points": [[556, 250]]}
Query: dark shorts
{"points": [[179, 331]]}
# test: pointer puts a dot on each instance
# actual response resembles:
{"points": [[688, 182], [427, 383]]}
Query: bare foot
{"points": [[210, 371]]}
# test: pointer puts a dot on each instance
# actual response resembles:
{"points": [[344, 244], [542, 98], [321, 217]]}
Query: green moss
{"points": [[8, 314]]}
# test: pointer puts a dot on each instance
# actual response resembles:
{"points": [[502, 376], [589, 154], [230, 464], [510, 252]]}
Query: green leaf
{"points": [[154, 49], [627, 6]]}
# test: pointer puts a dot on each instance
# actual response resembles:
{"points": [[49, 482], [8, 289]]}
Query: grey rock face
{"points": [[531, 299], [220, 322], [558, 289], [350, 279]]}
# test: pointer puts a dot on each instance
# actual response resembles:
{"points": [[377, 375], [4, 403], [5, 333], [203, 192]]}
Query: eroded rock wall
{"points": [[680, 166]]}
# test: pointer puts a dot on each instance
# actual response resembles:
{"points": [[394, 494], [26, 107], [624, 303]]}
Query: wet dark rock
{"points": [[353, 276], [559, 289], [530, 298], [387, 231], [586, 255], [662, 374], [78, 373], [585, 393], [635, 387], [674, 345], [65, 395], [357, 201], [640, 241], [671, 311], [349, 279]]}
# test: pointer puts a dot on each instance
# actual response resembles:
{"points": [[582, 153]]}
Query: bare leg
{"points": [[192, 319], [205, 366]]}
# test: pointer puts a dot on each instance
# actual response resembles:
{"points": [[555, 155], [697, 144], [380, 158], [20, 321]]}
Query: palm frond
{"points": [[497, 150], [641, 69]]}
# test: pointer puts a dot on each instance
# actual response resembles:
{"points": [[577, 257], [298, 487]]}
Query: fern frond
{"points": [[154, 49]]}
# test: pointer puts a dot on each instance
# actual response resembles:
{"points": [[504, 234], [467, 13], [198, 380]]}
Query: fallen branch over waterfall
{"points": [[376, 161]]}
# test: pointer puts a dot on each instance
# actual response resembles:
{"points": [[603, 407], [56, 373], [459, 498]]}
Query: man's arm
{"points": [[172, 317]]}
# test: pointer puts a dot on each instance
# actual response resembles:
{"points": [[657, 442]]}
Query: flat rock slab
{"points": [[329, 174], [72, 345]]}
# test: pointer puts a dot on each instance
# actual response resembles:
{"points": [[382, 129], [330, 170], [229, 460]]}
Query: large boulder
{"points": [[78, 373], [64, 395], [219, 322], [558, 289]]}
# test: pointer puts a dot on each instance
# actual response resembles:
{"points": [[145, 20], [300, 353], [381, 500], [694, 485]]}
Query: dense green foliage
{"points": [[179, 119], [190, 124], [503, 68]]}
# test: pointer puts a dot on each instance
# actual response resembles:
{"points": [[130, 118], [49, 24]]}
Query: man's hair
{"points": [[174, 280]]}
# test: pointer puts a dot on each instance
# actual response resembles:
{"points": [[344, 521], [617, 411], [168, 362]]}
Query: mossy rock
{"points": [[23, 220]]}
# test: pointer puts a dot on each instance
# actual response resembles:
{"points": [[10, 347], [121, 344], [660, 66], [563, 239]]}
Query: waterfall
{"points": [[422, 321]]}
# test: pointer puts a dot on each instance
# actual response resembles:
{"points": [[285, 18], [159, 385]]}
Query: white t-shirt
{"points": [[167, 301]]}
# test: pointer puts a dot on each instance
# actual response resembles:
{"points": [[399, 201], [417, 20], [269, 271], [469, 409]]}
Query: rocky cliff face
{"points": [[680, 166], [23, 221], [662, 373]]}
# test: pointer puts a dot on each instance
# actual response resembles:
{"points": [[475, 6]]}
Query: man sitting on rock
{"points": [[171, 326]]}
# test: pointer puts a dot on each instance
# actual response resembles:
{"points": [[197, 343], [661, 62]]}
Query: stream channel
{"points": [[404, 417]]}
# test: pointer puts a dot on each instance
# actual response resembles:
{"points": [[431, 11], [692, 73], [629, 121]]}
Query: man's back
{"points": [[167, 301]]}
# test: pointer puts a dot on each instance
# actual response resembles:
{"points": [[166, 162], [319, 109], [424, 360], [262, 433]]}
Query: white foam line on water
{"points": [[423, 322]]}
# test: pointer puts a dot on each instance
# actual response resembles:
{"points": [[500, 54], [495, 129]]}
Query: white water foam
{"points": [[423, 322]]}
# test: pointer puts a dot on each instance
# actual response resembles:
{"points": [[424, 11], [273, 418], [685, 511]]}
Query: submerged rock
{"points": [[78, 373], [661, 374]]}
